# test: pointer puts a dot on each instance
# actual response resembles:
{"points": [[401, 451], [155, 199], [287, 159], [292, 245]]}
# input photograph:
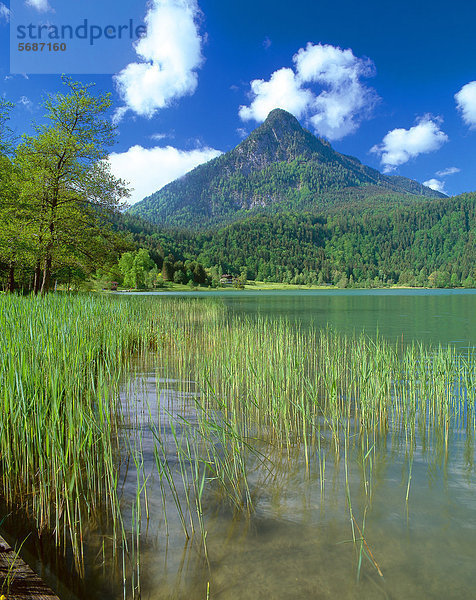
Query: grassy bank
{"points": [[170, 286]]}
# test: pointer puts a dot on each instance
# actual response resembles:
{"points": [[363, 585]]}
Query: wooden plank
{"points": [[17, 580]]}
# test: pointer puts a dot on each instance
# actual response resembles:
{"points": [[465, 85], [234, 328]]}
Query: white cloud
{"points": [[149, 169], [160, 136], [26, 103], [435, 184], [283, 90], [170, 54], [448, 171], [119, 114], [4, 12], [466, 103], [331, 65], [39, 5], [400, 145], [342, 102], [339, 108]]}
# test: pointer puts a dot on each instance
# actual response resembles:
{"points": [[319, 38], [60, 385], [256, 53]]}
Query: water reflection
{"points": [[414, 488], [428, 316]]}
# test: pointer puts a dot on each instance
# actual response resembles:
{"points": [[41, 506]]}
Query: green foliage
{"points": [[180, 277], [63, 188], [138, 270], [419, 242], [15, 242], [6, 134], [469, 282], [144, 234]]}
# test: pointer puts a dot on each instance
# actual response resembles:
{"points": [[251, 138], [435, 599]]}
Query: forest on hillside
{"points": [[422, 243], [415, 242]]}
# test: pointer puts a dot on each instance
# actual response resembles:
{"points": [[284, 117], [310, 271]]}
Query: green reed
{"points": [[266, 395], [273, 380], [62, 360], [269, 389]]}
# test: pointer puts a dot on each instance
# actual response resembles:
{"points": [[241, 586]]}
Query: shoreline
{"points": [[275, 287]]}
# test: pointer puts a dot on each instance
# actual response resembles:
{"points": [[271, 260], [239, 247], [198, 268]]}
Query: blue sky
{"points": [[390, 83]]}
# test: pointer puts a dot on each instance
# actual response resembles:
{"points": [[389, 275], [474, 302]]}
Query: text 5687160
{"points": [[41, 47]]}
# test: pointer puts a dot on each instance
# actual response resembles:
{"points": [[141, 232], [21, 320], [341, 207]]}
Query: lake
{"points": [[430, 316], [410, 533], [293, 489]]}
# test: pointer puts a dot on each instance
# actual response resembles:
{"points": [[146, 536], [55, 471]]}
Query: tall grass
{"points": [[272, 380], [272, 393], [266, 395], [61, 360]]}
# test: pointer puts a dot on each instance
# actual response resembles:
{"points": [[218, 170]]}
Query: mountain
{"points": [[280, 165]]}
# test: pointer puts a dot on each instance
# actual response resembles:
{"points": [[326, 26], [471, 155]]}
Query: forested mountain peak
{"points": [[280, 165]]}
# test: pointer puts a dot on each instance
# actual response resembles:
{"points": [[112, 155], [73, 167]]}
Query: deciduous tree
{"points": [[67, 182]]}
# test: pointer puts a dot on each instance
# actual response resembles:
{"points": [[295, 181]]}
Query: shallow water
{"points": [[298, 543], [429, 316], [302, 540]]}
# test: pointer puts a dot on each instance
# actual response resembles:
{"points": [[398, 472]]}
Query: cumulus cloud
{"points": [[400, 145], [342, 102], [39, 5], [283, 90], [466, 103], [26, 103], [435, 184], [448, 171], [4, 12], [169, 53], [149, 169]]}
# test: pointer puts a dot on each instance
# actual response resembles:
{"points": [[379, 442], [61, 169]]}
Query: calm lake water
{"points": [[416, 509], [430, 316], [298, 544]]}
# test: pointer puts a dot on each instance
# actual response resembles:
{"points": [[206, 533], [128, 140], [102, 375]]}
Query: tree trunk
{"points": [[37, 282], [45, 286], [11, 278]]}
